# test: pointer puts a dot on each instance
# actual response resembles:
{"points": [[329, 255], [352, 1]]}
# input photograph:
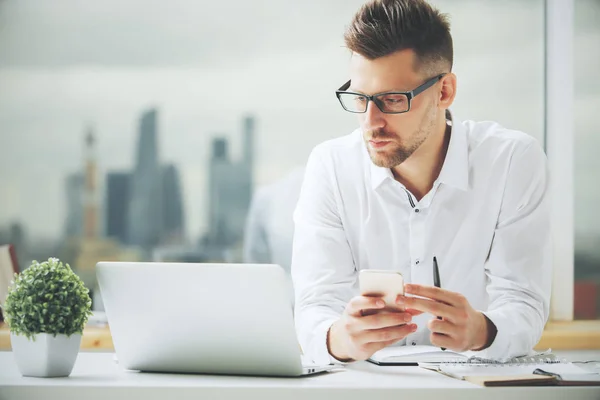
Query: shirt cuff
{"points": [[500, 349], [320, 353]]}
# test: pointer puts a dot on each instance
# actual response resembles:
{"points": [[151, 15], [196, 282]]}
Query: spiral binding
{"points": [[539, 359]]}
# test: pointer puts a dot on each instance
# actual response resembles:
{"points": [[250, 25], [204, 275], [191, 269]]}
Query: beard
{"points": [[396, 152]]}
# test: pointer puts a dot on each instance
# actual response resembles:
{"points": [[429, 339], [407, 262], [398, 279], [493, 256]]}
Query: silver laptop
{"points": [[202, 318]]}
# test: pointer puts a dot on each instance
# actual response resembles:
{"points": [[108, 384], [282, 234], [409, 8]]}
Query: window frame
{"points": [[559, 130]]}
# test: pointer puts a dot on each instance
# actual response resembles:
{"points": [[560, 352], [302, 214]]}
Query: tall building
{"points": [[90, 197], [145, 208], [248, 147], [74, 186], [172, 227], [83, 248], [219, 231], [230, 190], [117, 205], [248, 157]]}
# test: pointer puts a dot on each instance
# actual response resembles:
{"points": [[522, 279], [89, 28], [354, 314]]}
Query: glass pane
{"points": [[587, 162], [393, 102], [176, 119], [353, 102], [499, 61]]}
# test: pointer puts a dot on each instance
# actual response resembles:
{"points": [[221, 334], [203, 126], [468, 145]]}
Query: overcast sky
{"points": [[66, 64]]}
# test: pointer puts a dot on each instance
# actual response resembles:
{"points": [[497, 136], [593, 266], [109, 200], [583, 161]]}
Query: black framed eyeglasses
{"points": [[388, 102]]}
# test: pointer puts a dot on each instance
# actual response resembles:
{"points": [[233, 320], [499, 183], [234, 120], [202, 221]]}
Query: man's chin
{"points": [[384, 160]]}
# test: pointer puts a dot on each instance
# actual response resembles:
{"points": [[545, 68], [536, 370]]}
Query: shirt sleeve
{"points": [[323, 269], [256, 244], [519, 265]]}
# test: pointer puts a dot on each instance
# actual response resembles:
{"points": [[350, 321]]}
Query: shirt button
{"points": [[417, 262], [413, 343], [417, 210]]}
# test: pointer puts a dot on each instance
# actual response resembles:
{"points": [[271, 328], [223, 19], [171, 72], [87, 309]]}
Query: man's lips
{"points": [[377, 144]]}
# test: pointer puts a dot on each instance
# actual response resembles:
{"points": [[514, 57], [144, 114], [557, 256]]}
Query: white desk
{"points": [[97, 376]]}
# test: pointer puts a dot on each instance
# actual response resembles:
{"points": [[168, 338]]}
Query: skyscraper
{"points": [[230, 189], [219, 233], [145, 207], [248, 147], [74, 186], [172, 227], [90, 197], [83, 247], [117, 205], [248, 158]]}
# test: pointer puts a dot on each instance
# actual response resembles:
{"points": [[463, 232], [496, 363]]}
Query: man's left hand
{"points": [[460, 328]]}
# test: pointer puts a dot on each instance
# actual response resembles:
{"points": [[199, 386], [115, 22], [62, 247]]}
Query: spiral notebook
{"points": [[536, 370], [416, 355]]}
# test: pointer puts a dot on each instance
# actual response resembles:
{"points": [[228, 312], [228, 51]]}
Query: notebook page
{"points": [[420, 353], [461, 370], [567, 369]]}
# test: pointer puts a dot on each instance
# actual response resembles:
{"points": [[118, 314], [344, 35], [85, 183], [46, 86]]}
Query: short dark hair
{"points": [[383, 27]]}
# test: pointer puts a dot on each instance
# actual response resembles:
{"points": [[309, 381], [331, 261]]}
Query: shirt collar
{"points": [[455, 171], [378, 174]]}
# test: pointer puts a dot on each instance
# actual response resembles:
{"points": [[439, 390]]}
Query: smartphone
{"points": [[382, 283]]}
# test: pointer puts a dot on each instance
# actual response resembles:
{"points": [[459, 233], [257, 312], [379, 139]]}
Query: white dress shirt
{"points": [[486, 219]]}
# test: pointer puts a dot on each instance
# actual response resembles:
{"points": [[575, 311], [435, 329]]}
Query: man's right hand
{"points": [[356, 335]]}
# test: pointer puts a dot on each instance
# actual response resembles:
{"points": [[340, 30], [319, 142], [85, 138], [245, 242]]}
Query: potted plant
{"points": [[46, 309]]}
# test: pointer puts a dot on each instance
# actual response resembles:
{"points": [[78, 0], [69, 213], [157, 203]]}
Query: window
{"points": [[180, 112], [499, 61]]}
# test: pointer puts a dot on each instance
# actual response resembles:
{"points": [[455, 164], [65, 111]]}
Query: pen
{"points": [[436, 280]]}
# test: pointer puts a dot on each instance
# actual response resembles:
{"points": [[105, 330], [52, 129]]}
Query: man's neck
{"points": [[422, 168]]}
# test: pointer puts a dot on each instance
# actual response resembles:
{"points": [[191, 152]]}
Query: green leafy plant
{"points": [[47, 297]]}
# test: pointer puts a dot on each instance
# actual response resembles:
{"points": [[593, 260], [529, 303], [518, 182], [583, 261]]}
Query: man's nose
{"points": [[373, 117]]}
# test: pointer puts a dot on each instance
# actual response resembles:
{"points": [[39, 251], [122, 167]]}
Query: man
{"points": [[414, 182]]}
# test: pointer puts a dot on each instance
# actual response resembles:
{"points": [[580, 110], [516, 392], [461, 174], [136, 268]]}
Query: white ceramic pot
{"points": [[46, 356]]}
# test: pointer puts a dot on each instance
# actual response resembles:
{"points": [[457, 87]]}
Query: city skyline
{"points": [[53, 87], [204, 65], [159, 219]]}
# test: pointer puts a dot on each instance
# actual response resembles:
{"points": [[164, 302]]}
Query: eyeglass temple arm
{"points": [[415, 92], [427, 85], [345, 86]]}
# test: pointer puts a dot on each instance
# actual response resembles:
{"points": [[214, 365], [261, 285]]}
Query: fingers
{"points": [[393, 334], [442, 326], [367, 334], [371, 348], [435, 293], [431, 306], [413, 312], [448, 335], [383, 320], [388, 343], [445, 341], [360, 303]]}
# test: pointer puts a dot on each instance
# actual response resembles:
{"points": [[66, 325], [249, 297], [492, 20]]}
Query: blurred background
{"points": [[177, 131]]}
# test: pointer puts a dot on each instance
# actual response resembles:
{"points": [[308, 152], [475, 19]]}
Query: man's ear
{"points": [[448, 90]]}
